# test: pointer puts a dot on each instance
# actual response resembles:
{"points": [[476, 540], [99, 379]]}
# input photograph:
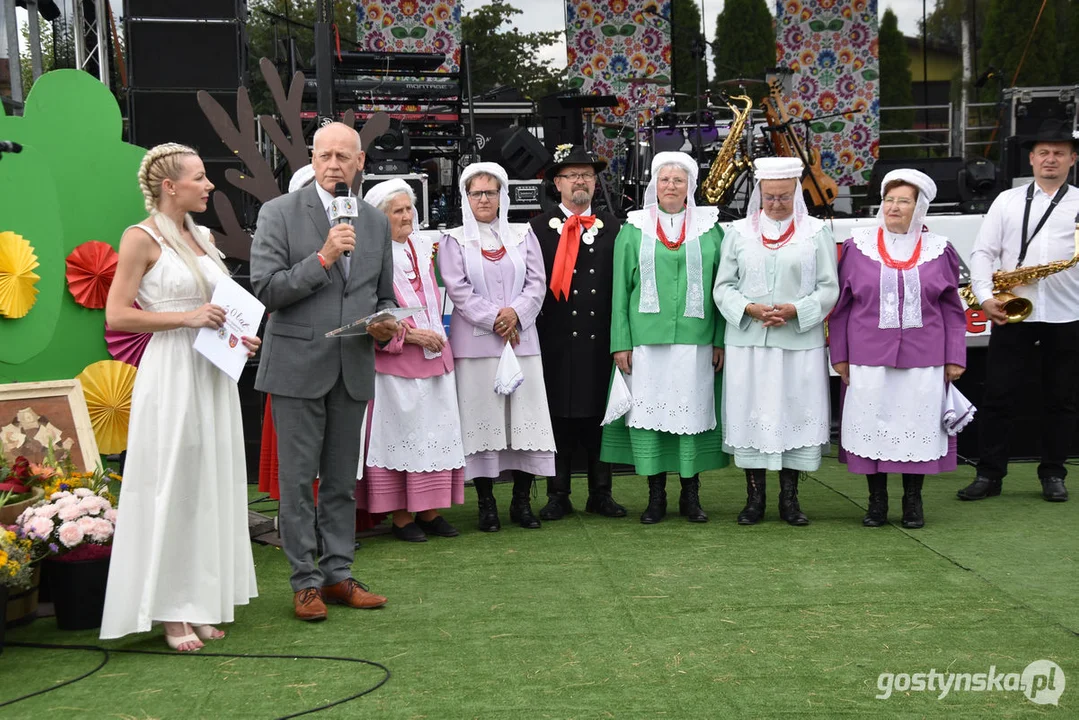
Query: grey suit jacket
{"points": [[306, 301]]}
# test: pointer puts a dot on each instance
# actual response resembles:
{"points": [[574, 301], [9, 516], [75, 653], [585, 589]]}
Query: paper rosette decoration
{"points": [[127, 347], [17, 277], [107, 385], [90, 268]]}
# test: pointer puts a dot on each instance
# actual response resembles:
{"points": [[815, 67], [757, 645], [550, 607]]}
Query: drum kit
{"points": [[659, 126]]}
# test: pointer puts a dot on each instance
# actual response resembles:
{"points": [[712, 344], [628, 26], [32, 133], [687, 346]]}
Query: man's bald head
{"points": [[337, 155]]}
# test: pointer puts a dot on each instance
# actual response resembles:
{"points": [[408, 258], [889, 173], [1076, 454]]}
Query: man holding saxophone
{"points": [[1029, 226]]}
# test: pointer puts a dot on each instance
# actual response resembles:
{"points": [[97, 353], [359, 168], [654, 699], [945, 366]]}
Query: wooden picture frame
{"points": [[33, 413]]}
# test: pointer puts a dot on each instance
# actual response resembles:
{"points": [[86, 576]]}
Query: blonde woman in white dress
{"points": [[181, 554]]}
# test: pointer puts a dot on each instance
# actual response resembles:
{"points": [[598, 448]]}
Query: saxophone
{"points": [[1019, 308], [730, 161]]}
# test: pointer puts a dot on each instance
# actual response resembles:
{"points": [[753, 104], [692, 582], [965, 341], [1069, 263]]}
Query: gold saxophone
{"points": [[1015, 307], [730, 162]]}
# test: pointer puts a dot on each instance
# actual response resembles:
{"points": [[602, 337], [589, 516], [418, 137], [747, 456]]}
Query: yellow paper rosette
{"points": [[107, 385], [17, 277]]}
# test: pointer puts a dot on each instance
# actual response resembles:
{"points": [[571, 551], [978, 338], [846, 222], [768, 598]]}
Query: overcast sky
{"points": [[551, 15]]}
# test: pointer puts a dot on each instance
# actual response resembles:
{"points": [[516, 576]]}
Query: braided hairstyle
{"points": [[167, 161]]}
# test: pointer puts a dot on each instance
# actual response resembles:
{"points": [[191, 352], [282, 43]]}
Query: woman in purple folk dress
{"points": [[897, 337]]}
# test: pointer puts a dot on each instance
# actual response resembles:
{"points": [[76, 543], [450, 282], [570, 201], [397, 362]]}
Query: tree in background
{"points": [[57, 50], [270, 37], [508, 57], [745, 42], [687, 49], [895, 86], [1007, 28]]}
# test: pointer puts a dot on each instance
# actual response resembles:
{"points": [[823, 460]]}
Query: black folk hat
{"points": [[1051, 130], [566, 155]]}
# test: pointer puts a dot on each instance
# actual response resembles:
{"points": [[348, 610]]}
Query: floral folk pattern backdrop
{"points": [[608, 43], [831, 45], [429, 26]]}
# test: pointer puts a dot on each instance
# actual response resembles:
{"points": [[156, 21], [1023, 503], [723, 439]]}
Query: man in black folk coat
{"points": [[575, 327]]}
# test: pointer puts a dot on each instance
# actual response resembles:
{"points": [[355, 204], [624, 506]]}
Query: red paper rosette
{"points": [[126, 347], [90, 268]]}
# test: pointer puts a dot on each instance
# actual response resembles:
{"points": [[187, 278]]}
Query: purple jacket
{"points": [[472, 310], [407, 360], [853, 332]]}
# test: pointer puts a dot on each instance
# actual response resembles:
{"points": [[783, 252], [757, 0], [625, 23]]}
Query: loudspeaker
{"points": [[394, 144], [560, 125], [518, 151], [943, 171], [201, 55], [189, 9], [416, 181], [159, 116]]}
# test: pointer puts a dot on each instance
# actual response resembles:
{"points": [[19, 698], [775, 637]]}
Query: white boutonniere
{"points": [[589, 236], [556, 224]]}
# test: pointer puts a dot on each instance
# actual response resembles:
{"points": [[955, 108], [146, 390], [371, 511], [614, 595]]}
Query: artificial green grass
{"points": [[592, 617]]}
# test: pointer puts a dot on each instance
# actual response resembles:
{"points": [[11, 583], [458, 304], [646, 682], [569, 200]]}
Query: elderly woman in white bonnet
{"points": [[897, 337], [414, 457], [776, 284], [493, 272], [667, 339]]}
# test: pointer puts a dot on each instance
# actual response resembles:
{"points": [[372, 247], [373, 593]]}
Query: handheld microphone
{"points": [[6, 146], [343, 208]]}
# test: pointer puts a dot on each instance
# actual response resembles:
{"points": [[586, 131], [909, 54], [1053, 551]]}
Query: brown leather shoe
{"points": [[353, 593], [308, 604]]}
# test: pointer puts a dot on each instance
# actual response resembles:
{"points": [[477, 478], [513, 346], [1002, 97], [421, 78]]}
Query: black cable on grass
{"points": [[105, 660]]}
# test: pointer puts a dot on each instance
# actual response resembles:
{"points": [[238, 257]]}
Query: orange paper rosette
{"points": [[90, 269]]}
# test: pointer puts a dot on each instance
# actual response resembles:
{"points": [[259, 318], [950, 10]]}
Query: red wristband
{"points": [[321, 260]]}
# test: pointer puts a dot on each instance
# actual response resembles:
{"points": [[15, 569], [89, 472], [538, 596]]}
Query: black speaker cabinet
{"points": [[944, 171], [159, 116], [185, 54], [189, 9]]}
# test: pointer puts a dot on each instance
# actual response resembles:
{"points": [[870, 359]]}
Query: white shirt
{"points": [[1055, 298], [774, 228], [671, 223], [326, 199], [569, 213]]}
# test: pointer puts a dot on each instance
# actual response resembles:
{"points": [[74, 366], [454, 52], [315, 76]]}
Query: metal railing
{"points": [[934, 134]]}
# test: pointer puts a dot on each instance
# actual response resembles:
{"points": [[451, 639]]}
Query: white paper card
{"points": [[243, 313]]}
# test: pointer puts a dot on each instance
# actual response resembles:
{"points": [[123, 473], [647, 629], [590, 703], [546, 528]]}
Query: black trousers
{"points": [[571, 432], [1012, 357]]}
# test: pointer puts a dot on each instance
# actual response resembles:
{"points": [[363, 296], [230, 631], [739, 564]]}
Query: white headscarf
{"points": [[301, 178], [649, 300], [470, 244], [903, 245], [432, 319]]}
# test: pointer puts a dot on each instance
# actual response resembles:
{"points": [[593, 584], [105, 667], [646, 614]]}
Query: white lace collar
{"points": [[517, 234], [704, 218], [865, 239]]}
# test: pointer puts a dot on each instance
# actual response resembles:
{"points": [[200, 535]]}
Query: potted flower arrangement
{"points": [[20, 487], [15, 573], [72, 532]]}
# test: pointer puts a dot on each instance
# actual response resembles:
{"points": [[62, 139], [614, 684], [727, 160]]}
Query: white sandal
{"points": [[175, 641], [208, 632]]}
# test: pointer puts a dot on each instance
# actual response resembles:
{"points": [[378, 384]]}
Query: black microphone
{"points": [[7, 146], [343, 208], [985, 77]]}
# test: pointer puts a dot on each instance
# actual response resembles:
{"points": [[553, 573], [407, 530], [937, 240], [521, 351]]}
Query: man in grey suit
{"points": [[320, 386]]}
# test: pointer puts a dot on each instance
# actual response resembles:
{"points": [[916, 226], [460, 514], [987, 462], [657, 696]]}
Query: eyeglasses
{"points": [[587, 177], [784, 199], [675, 181], [900, 201], [477, 194]]}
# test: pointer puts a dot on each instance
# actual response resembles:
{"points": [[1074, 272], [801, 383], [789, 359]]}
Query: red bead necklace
{"points": [[889, 261]]}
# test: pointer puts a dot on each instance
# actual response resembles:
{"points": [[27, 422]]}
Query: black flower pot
{"points": [[78, 592]]}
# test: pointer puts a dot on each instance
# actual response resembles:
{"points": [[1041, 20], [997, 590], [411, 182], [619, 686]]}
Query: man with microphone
{"points": [[319, 262]]}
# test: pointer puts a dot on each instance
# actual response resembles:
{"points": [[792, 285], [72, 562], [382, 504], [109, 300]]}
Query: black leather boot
{"points": [[980, 489], [558, 489], [657, 499], [689, 502], [520, 504], [913, 517], [488, 509], [755, 498], [788, 499], [600, 501], [877, 514]]}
